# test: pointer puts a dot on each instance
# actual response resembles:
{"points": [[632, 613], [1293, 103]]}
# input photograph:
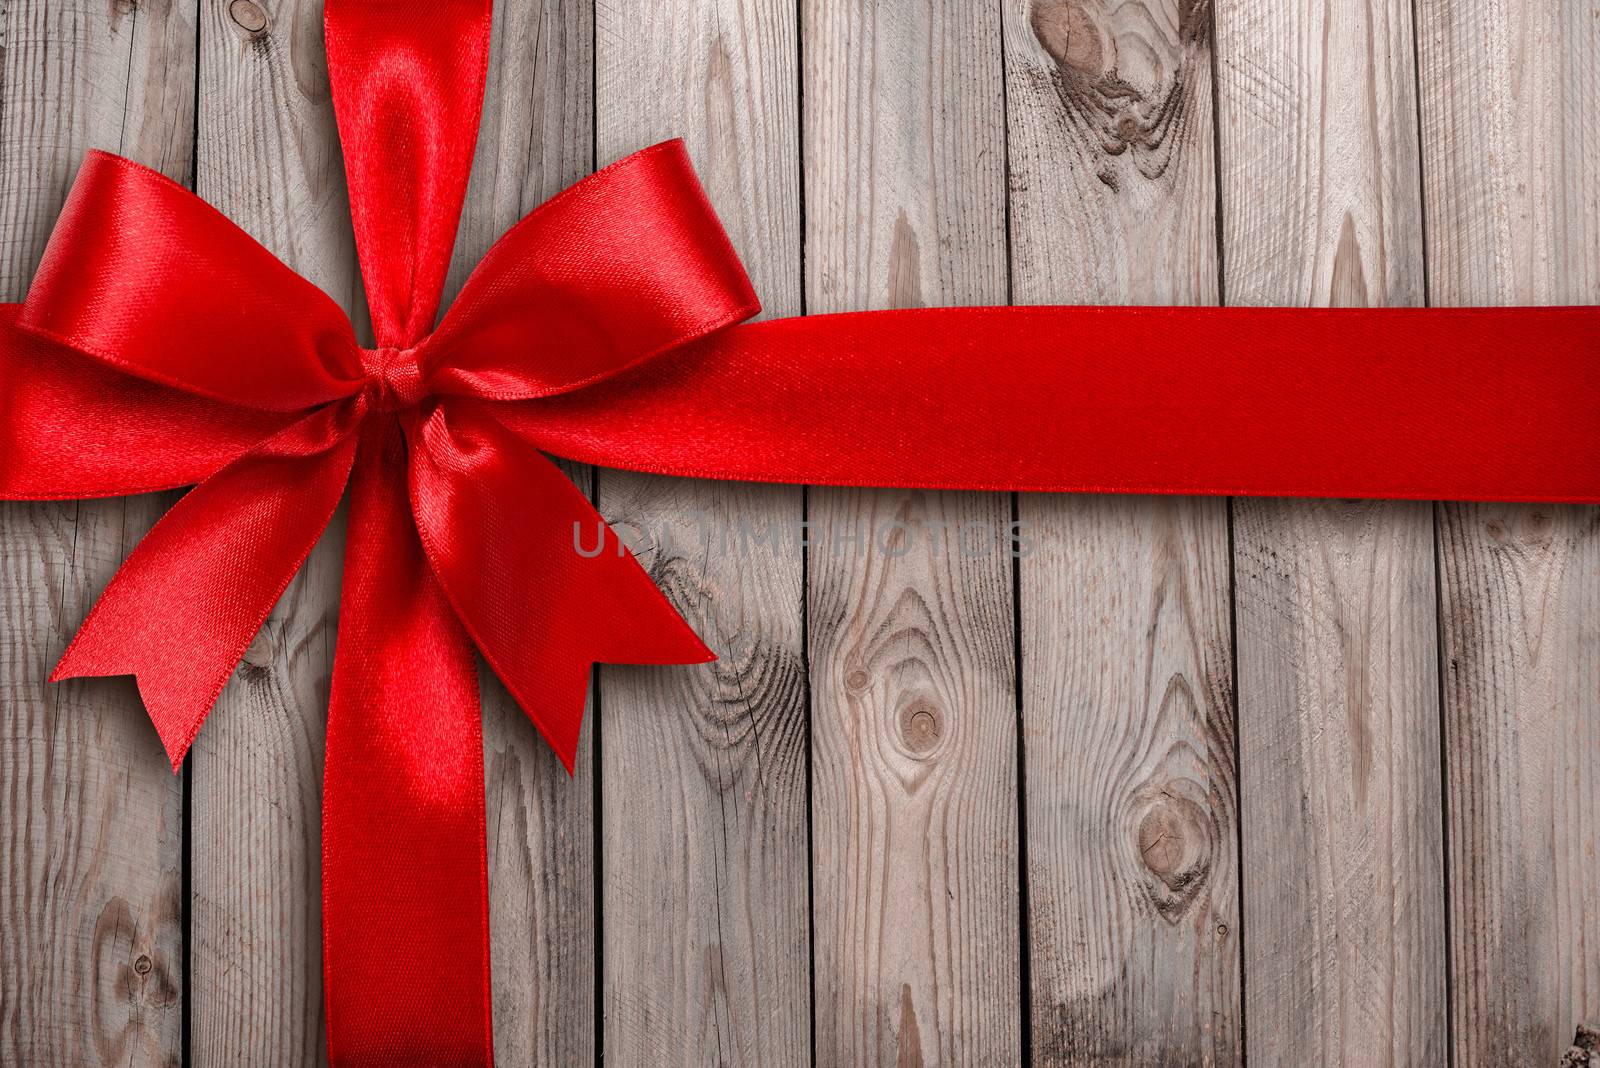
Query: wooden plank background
{"points": [[1189, 781]]}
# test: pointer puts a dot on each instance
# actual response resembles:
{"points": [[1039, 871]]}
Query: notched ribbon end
{"points": [[175, 726], [177, 690], [176, 735], [557, 708]]}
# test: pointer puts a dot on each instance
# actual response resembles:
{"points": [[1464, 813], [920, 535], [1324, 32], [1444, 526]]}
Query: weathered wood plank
{"points": [[1510, 142], [1112, 176], [1342, 812], [1129, 755], [703, 770], [1317, 104], [537, 138], [914, 755], [1511, 162], [269, 159], [1522, 673], [91, 817], [1341, 806], [1128, 733]]}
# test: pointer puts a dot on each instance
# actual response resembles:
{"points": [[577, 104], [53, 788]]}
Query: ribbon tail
{"points": [[181, 611], [543, 585], [405, 886]]}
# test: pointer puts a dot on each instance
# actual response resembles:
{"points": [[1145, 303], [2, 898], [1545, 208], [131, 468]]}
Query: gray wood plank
{"points": [[1344, 915], [536, 138], [1128, 733], [91, 816], [1319, 156], [1341, 799], [1128, 744], [914, 806], [703, 770], [269, 159], [1511, 162], [1522, 731]]}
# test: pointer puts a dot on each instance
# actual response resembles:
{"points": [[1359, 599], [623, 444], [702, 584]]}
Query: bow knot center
{"points": [[394, 379]]}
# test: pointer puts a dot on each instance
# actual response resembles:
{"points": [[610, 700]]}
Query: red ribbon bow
{"points": [[250, 381], [278, 405], [595, 329]]}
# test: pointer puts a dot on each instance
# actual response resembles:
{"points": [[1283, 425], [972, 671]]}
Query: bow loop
{"points": [[136, 262], [622, 266]]}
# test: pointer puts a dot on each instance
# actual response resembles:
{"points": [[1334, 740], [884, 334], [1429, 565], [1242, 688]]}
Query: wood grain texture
{"points": [[1128, 734], [701, 775], [1112, 178], [1128, 742], [269, 160], [1318, 166], [1341, 799], [1511, 161], [914, 791], [914, 806], [1511, 150], [1342, 804], [537, 138], [1522, 729], [91, 818], [703, 770]]}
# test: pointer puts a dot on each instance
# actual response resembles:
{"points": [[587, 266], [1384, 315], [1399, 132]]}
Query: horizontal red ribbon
{"points": [[1454, 404], [160, 347]]}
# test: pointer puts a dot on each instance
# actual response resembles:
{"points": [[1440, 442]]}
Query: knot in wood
{"points": [[1176, 841], [1070, 35], [921, 726], [394, 380], [1165, 841], [248, 16]]}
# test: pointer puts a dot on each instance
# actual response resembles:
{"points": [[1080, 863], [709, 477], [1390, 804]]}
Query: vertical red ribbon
{"points": [[405, 895]]}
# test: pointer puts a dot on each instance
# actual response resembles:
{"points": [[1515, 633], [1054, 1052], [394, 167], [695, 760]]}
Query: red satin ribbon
{"points": [[160, 346]]}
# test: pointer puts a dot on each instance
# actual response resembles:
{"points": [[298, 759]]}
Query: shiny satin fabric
{"points": [[405, 901], [160, 346], [1435, 404], [303, 389]]}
